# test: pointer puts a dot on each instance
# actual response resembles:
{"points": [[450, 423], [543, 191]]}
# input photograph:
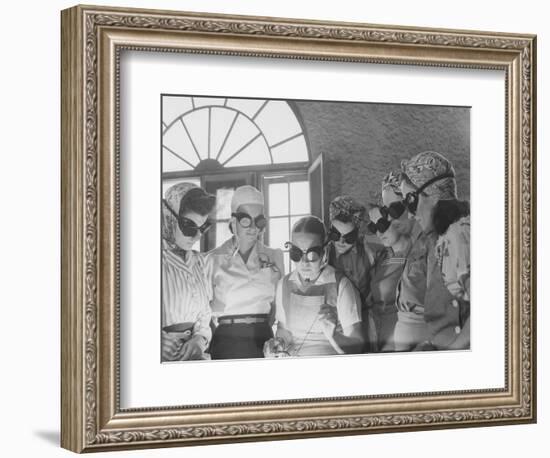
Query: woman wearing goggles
{"points": [[186, 311], [317, 309], [244, 273], [348, 249], [398, 279], [445, 221], [390, 223]]}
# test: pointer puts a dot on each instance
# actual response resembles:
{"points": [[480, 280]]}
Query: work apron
{"points": [[303, 320]]}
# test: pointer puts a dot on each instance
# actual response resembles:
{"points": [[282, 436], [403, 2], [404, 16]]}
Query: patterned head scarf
{"points": [[173, 197], [427, 165], [346, 207], [392, 181]]}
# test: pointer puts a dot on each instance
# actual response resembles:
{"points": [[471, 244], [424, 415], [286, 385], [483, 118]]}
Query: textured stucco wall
{"points": [[362, 142]]}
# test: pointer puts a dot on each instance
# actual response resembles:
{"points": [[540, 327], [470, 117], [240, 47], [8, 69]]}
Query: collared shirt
{"points": [[346, 300], [445, 313], [411, 290], [185, 291], [241, 288]]}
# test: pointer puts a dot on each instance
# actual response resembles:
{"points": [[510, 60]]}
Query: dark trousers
{"points": [[237, 341]]}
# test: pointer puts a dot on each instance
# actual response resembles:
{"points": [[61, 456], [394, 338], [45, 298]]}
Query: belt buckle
{"points": [[249, 320]]}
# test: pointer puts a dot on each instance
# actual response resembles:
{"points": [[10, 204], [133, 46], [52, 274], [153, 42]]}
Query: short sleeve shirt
{"points": [[240, 288]]}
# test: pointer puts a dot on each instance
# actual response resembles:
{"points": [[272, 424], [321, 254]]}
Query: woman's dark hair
{"points": [[446, 212], [310, 225], [197, 200]]}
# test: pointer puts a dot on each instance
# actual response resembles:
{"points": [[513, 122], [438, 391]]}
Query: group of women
{"points": [[404, 288]]}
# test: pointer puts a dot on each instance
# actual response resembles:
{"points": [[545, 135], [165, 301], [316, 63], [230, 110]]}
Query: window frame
{"points": [[288, 176]]}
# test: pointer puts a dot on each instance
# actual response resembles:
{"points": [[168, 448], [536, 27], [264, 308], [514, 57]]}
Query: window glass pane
{"points": [[197, 245], [243, 128], [278, 199], [171, 163], [172, 107], [248, 106], [299, 197], [176, 139], [222, 120], [278, 232], [243, 131], [292, 151], [222, 233], [277, 121], [256, 153], [208, 101], [223, 203], [197, 125]]}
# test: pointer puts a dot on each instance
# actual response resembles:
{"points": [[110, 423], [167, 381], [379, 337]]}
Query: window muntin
{"points": [[229, 132]]}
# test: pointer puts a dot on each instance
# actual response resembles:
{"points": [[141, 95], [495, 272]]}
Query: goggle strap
{"points": [[433, 180], [170, 209]]}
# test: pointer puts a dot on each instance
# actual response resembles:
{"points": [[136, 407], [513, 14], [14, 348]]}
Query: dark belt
{"points": [[243, 319]]}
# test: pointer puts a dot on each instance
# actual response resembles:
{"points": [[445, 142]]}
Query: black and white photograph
{"points": [[305, 228], [269, 222]]}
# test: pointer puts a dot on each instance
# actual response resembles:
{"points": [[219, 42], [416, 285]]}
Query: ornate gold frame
{"points": [[92, 38]]}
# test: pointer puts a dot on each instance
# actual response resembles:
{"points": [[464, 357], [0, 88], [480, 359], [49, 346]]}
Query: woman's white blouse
{"points": [[241, 288]]}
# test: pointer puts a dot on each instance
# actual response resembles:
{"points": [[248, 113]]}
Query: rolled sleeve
{"points": [[203, 325]]}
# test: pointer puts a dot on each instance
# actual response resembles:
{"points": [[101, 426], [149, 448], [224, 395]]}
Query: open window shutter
{"points": [[317, 187]]}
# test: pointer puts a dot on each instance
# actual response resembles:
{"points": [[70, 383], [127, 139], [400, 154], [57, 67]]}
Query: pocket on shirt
{"points": [[416, 268]]}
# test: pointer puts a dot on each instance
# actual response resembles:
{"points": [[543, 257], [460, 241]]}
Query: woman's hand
{"points": [[171, 345], [456, 289], [328, 319], [193, 349], [275, 348]]}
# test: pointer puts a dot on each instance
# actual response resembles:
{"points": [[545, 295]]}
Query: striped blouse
{"points": [[185, 292]]}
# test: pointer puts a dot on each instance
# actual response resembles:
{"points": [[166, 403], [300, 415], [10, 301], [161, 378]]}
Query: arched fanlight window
{"points": [[207, 133]]}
